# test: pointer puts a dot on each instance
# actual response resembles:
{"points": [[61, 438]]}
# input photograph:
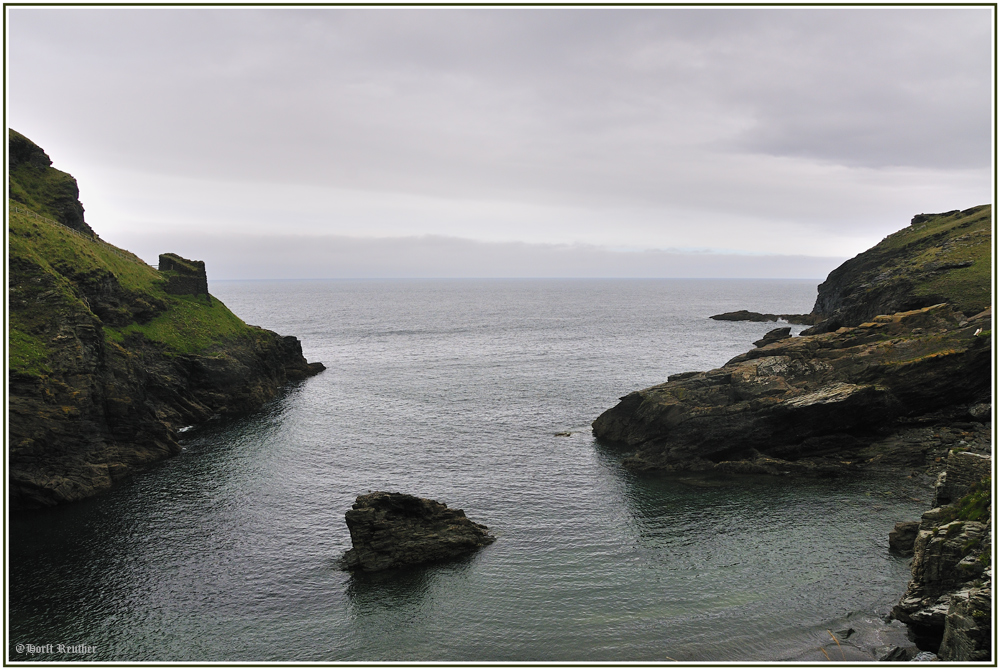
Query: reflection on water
{"points": [[456, 391], [753, 552]]}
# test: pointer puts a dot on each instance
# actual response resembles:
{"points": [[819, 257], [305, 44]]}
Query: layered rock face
{"points": [[391, 530], [105, 365], [109, 408], [819, 403], [948, 602]]}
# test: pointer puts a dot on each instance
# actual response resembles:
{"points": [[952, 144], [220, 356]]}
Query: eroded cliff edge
{"points": [[107, 360]]}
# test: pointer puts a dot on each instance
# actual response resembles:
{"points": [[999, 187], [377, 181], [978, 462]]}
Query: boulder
{"points": [[391, 530], [902, 537]]}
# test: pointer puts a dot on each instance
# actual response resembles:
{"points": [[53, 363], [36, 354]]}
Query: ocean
{"points": [[461, 391]]}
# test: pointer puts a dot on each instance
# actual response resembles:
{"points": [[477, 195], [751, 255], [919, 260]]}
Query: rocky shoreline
{"points": [[822, 404], [894, 376]]}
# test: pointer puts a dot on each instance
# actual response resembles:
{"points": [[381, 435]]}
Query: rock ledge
{"points": [[391, 530]]}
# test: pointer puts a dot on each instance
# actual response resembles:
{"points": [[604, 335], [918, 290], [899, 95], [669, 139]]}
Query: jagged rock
{"points": [[968, 626], [773, 336], [390, 530], [948, 600], [829, 396], [902, 537], [35, 183]]}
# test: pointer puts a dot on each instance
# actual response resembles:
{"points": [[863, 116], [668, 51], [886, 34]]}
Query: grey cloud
{"points": [[817, 117]]}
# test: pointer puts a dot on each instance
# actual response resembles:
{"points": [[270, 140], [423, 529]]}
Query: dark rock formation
{"points": [[948, 602], [902, 537], [773, 336], [105, 366], [813, 404], [390, 530], [744, 315], [184, 277]]}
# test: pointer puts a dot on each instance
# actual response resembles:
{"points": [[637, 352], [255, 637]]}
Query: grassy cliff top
{"points": [[938, 258], [60, 277], [949, 255], [34, 183]]}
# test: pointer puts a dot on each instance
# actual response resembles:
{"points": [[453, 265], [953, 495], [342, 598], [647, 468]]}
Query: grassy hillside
{"points": [[937, 258], [949, 255], [59, 276]]}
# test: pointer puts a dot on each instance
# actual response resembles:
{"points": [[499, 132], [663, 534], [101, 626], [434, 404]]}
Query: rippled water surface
{"points": [[455, 390]]}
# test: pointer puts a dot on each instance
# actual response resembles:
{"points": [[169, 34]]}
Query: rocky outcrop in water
{"points": [[818, 404], [948, 602], [391, 530], [745, 315]]}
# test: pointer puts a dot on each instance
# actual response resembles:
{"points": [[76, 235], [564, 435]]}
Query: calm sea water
{"points": [[455, 390]]}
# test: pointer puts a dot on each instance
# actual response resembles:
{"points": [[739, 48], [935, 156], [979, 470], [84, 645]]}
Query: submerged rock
{"points": [[391, 530]]}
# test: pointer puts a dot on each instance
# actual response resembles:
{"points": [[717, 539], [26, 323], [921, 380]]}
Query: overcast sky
{"points": [[366, 142]]}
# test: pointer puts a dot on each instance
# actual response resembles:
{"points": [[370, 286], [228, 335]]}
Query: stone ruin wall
{"points": [[184, 277]]}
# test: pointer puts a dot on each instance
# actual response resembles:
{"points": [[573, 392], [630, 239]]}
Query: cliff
{"points": [[937, 258], [105, 362], [857, 394], [949, 599]]}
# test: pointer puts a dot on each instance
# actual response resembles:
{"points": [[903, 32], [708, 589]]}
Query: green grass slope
{"points": [[949, 255], [937, 258], [60, 276]]}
